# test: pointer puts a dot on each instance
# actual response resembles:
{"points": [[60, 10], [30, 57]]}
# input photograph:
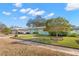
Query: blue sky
{"points": [[17, 14]]}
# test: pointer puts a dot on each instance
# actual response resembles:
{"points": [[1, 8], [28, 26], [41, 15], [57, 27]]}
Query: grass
{"points": [[44, 41], [67, 41], [23, 36], [40, 39]]}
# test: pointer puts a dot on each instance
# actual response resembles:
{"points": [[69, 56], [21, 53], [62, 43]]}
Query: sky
{"points": [[17, 14]]}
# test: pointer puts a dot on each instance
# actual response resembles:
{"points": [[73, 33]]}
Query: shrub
{"points": [[73, 35], [52, 33], [59, 33], [6, 31], [16, 35], [35, 32], [77, 41]]}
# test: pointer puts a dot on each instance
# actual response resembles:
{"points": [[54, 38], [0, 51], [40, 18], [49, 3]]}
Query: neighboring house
{"points": [[75, 29], [20, 30], [28, 30], [40, 30]]}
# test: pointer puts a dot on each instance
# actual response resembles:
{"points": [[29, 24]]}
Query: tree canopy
{"points": [[38, 21], [58, 24], [6, 31]]}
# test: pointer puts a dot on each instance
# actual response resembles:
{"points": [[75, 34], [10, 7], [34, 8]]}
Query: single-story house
{"points": [[75, 29], [40, 30], [28, 30]]}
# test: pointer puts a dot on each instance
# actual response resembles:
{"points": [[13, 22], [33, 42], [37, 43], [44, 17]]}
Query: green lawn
{"points": [[67, 41], [23, 36]]}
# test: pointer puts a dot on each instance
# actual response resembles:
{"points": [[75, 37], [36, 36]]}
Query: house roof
{"points": [[28, 28]]}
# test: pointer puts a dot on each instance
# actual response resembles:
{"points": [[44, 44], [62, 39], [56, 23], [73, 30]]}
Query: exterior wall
{"points": [[20, 31], [43, 32]]}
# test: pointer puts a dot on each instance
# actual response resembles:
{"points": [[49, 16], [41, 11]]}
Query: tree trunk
{"points": [[56, 36]]}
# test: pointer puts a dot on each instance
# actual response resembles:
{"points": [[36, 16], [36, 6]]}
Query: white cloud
{"points": [[14, 10], [18, 4], [32, 12], [25, 10], [36, 11], [49, 15], [39, 12], [23, 17], [28, 9], [72, 6], [6, 13]]}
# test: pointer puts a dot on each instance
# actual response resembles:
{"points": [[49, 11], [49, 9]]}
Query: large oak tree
{"points": [[57, 25]]}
